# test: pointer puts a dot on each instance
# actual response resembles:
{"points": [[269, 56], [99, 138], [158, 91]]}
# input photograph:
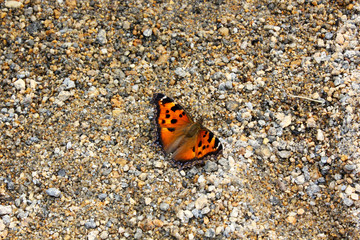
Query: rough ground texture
{"points": [[277, 81]]}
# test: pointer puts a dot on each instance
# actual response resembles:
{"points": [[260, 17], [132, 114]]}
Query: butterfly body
{"points": [[188, 141]]}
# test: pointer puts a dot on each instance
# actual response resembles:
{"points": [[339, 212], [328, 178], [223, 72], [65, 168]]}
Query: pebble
{"points": [[224, 31], [93, 235], [348, 202], [210, 166], [69, 84], [13, 4], [300, 180], [101, 37], [164, 206], [210, 233], [20, 84], [53, 192], [138, 234], [104, 235], [320, 135], [284, 154], [90, 224], [102, 196], [5, 210]]}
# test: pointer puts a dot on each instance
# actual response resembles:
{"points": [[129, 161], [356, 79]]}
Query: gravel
{"points": [[277, 82]]}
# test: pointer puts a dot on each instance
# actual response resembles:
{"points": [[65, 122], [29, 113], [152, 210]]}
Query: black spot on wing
{"points": [[203, 147], [167, 115], [163, 121], [171, 129], [167, 111], [173, 121], [176, 108], [166, 100], [217, 142], [200, 143], [180, 116], [211, 135], [193, 149]]}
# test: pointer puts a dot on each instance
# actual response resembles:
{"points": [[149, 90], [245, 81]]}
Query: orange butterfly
{"points": [[188, 141]]}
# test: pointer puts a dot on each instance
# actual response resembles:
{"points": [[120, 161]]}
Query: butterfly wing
{"points": [[197, 148], [170, 119]]}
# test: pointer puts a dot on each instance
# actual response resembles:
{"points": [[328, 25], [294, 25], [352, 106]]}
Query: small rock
{"points": [[93, 235], [135, 88], [299, 180], [102, 196], [164, 206], [210, 233], [349, 167], [291, 219], [64, 95], [101, 37], [310, 123], [284, 154], [224, 31], [339, 39], [312, 189], [320, 135], [348, 202], [138, 234], [147, 201], [13, 4], [6, 219], [104, 235], [69, 84], [201, 202], [5, 210], [263, 151], [19, 84], [285, 120], [180, 72], [210, 166], [93, 92], [90, 224], [53, 192], [147, 32], [126, 25], [205, 210]]}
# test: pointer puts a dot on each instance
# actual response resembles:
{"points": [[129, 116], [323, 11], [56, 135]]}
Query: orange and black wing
{"points": [[170, 118], [197, 149]]}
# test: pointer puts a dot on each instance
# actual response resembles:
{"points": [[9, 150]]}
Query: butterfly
{"points": [[188, 141]]}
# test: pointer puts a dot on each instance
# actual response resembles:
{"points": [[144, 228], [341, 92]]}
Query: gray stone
{"points": [[101, 37], [138, 234], [69, 84], [90, 224], [147, 32], [53, 192], [349, 167], [348, 202], [284, 154], [299, 180], [312, 189], [210, 166], [102, 196], [164, 206], [210, 233], [180, 72]]}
